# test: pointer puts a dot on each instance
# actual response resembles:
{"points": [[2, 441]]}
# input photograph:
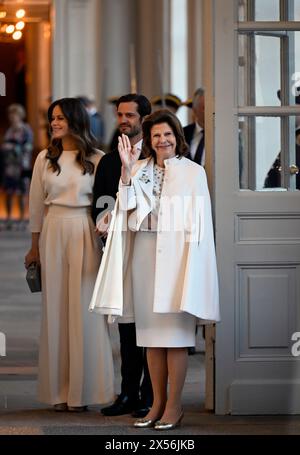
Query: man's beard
{"points": [[134, 131]]}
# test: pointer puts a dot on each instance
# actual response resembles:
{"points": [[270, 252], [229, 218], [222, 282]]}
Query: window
{"points": [[268, 42]]}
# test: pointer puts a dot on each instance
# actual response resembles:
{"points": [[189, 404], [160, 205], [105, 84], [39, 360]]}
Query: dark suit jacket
{"points": [[273, 179], [107, 178], [113, 145], [188, 132]]}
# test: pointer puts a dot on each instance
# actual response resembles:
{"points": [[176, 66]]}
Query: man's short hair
{"points": [[198, 93], [144, 105]]}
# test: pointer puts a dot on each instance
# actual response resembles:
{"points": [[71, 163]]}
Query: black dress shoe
{"points": [[141, 412], [142, 408], [122, 405]]}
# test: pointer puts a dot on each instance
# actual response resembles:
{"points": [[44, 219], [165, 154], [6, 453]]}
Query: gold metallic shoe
{"points": [[159, 425], [144, 423]]}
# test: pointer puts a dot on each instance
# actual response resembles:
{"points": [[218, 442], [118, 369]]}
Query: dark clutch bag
{"points": [[33, 277]]}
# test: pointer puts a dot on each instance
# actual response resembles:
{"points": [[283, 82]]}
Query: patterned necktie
{"points": [[199, 151]]}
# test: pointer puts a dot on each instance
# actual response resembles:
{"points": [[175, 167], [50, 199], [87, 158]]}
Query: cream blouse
{"points": [[70, 188]]}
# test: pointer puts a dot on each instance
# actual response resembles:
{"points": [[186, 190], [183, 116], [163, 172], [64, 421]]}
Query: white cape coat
{"points": [[185, 273]]}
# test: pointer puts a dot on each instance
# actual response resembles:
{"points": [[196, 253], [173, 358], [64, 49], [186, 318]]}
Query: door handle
{"points": [[294, 169]]}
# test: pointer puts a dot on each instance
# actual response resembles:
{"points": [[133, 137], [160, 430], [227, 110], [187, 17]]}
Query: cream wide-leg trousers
{"points": [[75, 356]]}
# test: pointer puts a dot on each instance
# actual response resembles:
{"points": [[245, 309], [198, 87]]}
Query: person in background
{"points": [[136, 393], [96, 120], [16, 151], [168, 247], [75, 357], [167, 101], [274, 176], [194, 132]]}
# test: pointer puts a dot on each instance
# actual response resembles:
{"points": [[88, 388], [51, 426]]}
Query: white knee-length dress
{"points": [[155, 329], [75, 357]]}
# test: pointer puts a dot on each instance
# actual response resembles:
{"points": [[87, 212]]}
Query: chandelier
{"points": [[11, 27]]}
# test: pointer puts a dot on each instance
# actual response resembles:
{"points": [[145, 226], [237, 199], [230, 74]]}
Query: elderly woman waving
{"points": [[168, 258]]}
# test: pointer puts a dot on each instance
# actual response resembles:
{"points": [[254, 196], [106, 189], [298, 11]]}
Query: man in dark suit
{"points": [[274, 176], [136, 397], [194, 132]]}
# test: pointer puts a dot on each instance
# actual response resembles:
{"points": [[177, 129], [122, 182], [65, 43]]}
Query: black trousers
{"points": [[134, 366]]}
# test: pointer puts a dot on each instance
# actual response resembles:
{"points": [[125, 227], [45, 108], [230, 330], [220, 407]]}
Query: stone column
{"points": [[38, 80], [118, 33], [75, 48], [195, 44], [153, 46]]}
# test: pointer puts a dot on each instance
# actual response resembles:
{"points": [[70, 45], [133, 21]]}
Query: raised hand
{"points": [[128, 155]]}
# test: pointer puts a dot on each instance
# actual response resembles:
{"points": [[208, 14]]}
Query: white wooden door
{"points": [[256, 53]]}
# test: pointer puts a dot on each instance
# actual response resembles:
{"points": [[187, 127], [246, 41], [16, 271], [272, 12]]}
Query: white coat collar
{"points": [[142, 177], [172, 161]]}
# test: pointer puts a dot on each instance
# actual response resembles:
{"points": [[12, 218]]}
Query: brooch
{"points": [[144, 177]]}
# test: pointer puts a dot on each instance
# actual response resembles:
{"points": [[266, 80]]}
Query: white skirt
{"points": [[170, 330]]}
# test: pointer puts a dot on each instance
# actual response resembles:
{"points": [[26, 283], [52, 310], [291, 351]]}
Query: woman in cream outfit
{"points": [[75, 358], [168, 248]]}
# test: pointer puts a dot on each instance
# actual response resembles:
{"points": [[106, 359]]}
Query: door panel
{"points": [[265, 324], [257, 237]]}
